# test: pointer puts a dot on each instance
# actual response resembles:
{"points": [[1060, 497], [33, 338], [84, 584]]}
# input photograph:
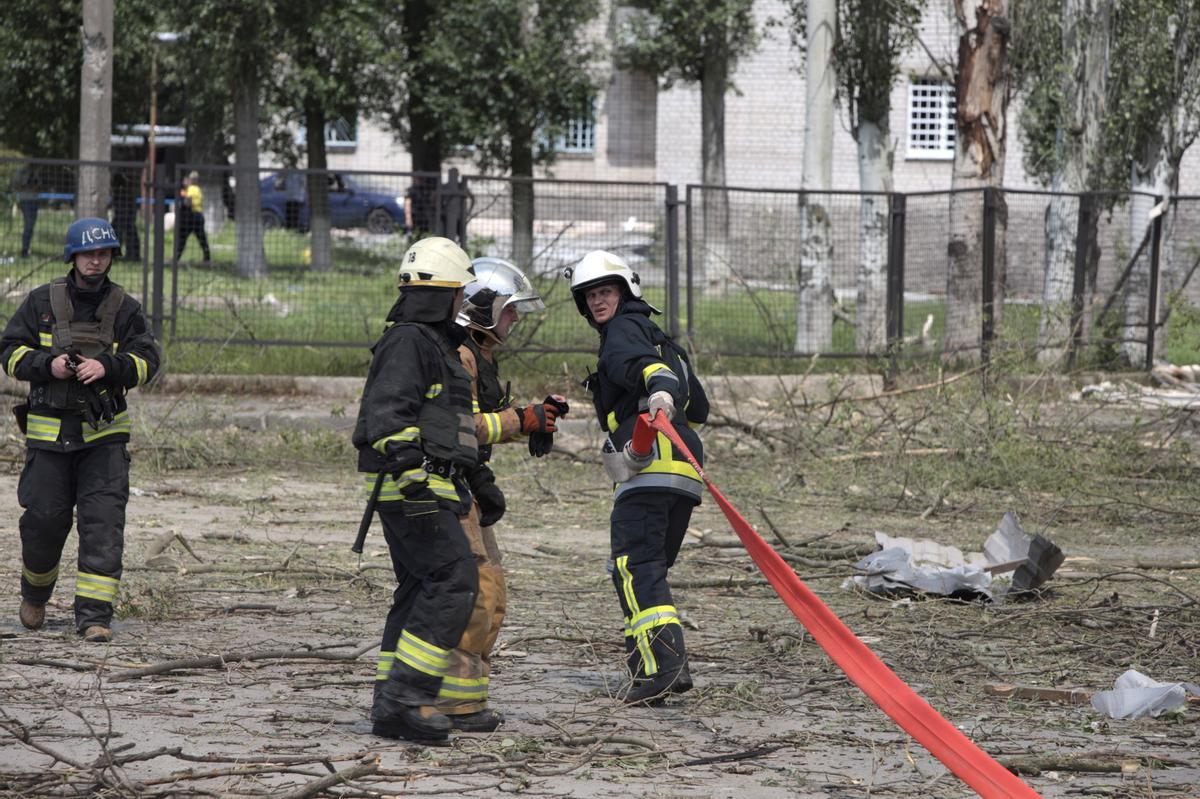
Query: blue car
{"points": [[351, 204]]}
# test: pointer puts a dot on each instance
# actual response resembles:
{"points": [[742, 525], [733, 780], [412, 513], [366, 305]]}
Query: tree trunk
{"points": [[95, 107], [425, 143], [251, 259], [814, 297], [206, 145], [874, 175], [1087, 35], [522, 198], [319, 223], [715, 262], [982, 88], [1151, 177]]}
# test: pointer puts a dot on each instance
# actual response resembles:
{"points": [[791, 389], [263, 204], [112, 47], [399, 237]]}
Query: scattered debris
{"points": [[1071, 696], [906, 565], [1176, 387], [1135, 696]]}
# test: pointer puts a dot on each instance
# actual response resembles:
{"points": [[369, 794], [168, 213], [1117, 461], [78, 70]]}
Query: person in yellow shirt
{"points": [[189, 216]]}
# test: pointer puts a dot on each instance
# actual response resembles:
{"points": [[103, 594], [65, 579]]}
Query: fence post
{"points": [[672, 260], [987, 333], [690, 233], [452, 197], [895, 280], [1087, 205], [156, 284], [1155, 250]]}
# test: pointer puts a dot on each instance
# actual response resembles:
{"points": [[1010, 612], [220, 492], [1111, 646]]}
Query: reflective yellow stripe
{"points": [[383, 667], [142, 368], [42, 428], [494, 427], [649, 662], [16, 357], [463, 688], [612, 422], [422, 655], [443, 284], [46, 339], [650, 618], [653, 369], [119, 424], [408, 434], [388, 492], [665, 463], [475, 406], [410, 476], [116, 346], [433, 391], [40, 580], [443, 488], [96, 586]]}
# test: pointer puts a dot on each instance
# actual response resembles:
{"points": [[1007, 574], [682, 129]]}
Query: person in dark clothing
{"points": [[124, 204], [415, 437], [80, 342], [26, 184], [640, 369]]}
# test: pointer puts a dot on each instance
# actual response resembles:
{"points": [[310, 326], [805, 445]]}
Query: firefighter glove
{"points": [[541, 443], [491, 503], [661, 401], [420, 506], [538, 418]]}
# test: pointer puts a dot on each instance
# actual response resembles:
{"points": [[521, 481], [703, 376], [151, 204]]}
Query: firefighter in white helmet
{"points": [[641, 369], [495, 301], [415, 428]]}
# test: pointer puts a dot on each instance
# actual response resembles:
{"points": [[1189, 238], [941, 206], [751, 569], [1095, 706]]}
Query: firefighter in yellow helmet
{"points": [[415, 428], [495, 301]]}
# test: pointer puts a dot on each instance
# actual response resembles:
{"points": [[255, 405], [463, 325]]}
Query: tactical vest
{"points": [[492, 398], [446, 422], [89, 338]]}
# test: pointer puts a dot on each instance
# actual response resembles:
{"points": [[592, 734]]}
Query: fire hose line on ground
{"points": [[915, 716]]}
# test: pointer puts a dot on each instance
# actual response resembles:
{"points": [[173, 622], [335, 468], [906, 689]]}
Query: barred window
{"points": [[580, 133], [341, 134], [930, 119]]}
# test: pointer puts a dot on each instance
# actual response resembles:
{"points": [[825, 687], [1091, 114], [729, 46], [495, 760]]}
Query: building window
{"points": [[580, 133], [341, 134], [930, 119]]}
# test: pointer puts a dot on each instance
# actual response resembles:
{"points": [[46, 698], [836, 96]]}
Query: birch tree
{"points": [[814, 296], [981, 94], [1154, 79], [697, 41], [870, 39], [1062, 56]]}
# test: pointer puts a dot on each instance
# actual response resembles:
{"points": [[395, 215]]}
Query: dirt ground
{"points": [[238, 550]]}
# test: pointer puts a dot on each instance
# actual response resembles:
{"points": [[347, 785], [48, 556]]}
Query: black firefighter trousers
{"points": [[94, 483], [646, 530], [436, 583]]}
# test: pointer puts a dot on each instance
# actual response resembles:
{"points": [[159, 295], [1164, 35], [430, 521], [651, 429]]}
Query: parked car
{"points": [[351, 204]]}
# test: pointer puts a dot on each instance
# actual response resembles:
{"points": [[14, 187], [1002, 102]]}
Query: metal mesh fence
{"points": [[743, 271]]}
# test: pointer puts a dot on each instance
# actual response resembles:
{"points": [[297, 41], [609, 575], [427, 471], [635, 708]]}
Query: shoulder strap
{"points": [[63, 310], [110, 306]]}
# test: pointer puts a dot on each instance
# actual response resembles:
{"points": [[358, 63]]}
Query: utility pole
{"points": [[95, 107]]}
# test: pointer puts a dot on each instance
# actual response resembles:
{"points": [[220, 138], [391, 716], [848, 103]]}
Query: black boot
{"points": [[654, 690], [486, 720], [423, 724]]}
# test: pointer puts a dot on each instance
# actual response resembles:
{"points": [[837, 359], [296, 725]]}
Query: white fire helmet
{"points": [[598, 267]]}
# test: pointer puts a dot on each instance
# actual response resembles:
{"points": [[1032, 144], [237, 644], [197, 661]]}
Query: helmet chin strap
{"points": [[92, 281]]}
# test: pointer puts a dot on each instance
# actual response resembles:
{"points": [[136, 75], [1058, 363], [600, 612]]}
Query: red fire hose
{"points": [[914, 715]]}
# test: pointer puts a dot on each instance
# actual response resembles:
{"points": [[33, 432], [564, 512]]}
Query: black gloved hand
{"points": [[491, 503], [542, 443], [420, 506]]}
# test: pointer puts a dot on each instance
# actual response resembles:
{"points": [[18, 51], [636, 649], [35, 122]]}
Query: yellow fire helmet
{"points": [[435, 262]]}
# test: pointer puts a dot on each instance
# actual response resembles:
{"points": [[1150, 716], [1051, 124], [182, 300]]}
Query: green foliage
{"points": [[507, 75], [1036, 55], [39, 85], [676, 38], [870, 38]]}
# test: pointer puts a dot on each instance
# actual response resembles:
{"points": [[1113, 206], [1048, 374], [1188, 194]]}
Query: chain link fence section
{"points": [[544, 226]]}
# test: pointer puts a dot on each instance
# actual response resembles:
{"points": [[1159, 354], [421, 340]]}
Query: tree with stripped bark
{"points": [[982, 77]]}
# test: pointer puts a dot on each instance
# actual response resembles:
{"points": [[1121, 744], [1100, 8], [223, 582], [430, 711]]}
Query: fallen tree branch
{"points": [[368, 765], [219, 661]]}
